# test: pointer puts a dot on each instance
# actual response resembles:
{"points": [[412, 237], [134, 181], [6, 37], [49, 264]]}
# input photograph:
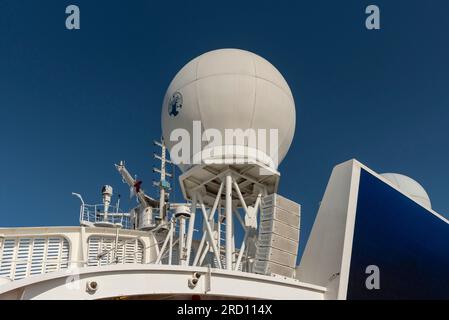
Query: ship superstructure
{"points": [[234, 235]]}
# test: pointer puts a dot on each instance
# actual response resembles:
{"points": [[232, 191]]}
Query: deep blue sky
{"points": [[72, 103]]}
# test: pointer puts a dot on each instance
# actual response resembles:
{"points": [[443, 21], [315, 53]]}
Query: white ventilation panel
{"points": [[102, 252], [27, 256], [278, 239]]}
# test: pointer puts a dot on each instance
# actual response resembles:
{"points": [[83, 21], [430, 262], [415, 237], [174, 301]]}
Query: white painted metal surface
{"points": [[327, 256], [230, 89], [325, 260], [21, 257], [152, 252], [97, 263], [75, 246], [159, 282]]}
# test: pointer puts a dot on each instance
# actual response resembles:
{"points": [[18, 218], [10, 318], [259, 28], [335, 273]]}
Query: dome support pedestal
{"points": [[221, 190]]}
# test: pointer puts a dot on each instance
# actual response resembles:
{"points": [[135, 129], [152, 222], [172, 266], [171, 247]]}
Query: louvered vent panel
{"points": [[8, 250], [93, 250], [37, 261], [130, 252], [53, 254], [64, 263], [23, 257], [106, 251], [139, 252], [102, 252]]}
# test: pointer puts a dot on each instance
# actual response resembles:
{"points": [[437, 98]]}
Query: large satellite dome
{"points": [[410, 187], [230, 89]]}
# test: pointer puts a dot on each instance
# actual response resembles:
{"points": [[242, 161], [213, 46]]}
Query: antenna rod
{"points": [[162, 193], [163, 176]]}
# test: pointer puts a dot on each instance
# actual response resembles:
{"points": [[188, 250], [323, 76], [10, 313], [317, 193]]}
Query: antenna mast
{"points": [[163, 184]]}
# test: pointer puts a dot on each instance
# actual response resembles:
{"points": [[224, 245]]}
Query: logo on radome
{"points": [[175, 104]]}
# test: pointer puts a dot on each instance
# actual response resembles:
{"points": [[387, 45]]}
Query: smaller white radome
{"points": [[410, 187]]}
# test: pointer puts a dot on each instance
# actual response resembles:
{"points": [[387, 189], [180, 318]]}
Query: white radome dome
{"points": [[230, 89], [410, 187]]}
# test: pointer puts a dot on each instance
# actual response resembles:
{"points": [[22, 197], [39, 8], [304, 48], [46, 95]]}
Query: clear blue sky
{"points": [[72, 103]]}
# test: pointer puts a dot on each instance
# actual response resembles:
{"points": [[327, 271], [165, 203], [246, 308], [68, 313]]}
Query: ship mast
{"points": [[162, 184]]}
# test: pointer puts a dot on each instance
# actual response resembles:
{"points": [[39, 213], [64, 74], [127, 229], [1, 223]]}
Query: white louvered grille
{"points": [[8, 252], [102, 251], [23, 257], [37, 261]]}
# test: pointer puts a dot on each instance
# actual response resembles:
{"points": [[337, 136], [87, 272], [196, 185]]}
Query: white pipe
{"points": [[242, 248], [233, 247], [170, 252], [203, 256], [116, 245], [239, 218], [209, 231], [228, 193], [82, 205], [247, 259], [200, 248], [239, 193], [167, 238], [217, 204], [219, 226], [191, 227], [182, 230], [217, 200], [161, 188], [257, 204], [79, 197]]}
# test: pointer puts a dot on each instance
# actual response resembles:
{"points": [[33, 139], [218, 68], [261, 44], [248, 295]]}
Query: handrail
{"points": [[94, 213]]}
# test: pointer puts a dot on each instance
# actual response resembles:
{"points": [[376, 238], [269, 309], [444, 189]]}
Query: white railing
{"points": [[95, 214]]}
